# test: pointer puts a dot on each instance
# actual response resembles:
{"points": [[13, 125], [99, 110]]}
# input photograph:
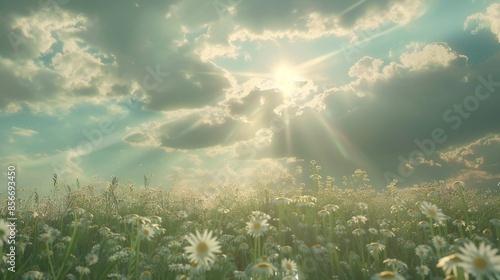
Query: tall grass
{"points": [[350, 232]]}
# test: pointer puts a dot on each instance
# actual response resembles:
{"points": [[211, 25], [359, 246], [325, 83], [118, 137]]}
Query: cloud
{"points": [[488, 20], [389, 105], [24, 132], [473, 154]]}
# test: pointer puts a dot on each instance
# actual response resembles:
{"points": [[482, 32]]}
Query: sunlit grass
{"points": [[275, 230]]}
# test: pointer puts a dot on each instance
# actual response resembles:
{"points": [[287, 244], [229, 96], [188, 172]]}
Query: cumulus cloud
{"points": [[488, 20]]}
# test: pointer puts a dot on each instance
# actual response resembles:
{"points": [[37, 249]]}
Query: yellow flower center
{"points": [[256, 226], [288, 266], [386, 275], [432, 213], [145, 232], [263, 265], [480, 263], [202, 248]]}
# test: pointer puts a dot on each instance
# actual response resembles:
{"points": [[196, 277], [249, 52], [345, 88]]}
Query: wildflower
{"points": [[203, 247], [318, 249], [458, 223], [155, 219], [176, 267], [281, 200], [373, 231], [263, 269], [323, 213], [423, 224], [83, 270], [358, 219], [239, 275], [362, 205], [395, 263], [45, 238], [146, 232], [409, 244], [431, 211], [32, 275], [387, 233], [91, 259], [449, 263], [387, 275], [257, 227], [289, 266], [439, 242], [145, 275], [375, 247], [331, 207], [359, 232], [286, 249], [422, 251], [480, 261], [422, 270], [243, 246]]}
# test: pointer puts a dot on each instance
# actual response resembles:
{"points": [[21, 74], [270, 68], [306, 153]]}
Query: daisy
{"points": [[286, 249], [323, 213], [145, 275], [449, 264], [375, 247], [281, 200], [422, 251], [239, 275], [422, 270], [146, 232], [396, 264], [91, 259], [387, 275], [257, 227], [480, 261], [289, 266], [263, 269], [431, 211], [32, 275], [358, 219], [318, 249], [359, 232], [331, 207], [203, 247], [439, 242], [387, 233], [83, 270]]}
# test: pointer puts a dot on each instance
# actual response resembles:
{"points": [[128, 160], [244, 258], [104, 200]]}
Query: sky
{"points": [[228, 91]]}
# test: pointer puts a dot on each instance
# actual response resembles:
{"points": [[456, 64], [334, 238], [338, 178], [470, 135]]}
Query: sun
{"points": [[286, 78]]}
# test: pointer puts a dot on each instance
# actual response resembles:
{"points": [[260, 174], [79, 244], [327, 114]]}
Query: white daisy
{"points": [[375, 247], [431, 211], [257, 227], [83, 270], [480, 261], [422, 270], [146, 232], [439, 242], [387, 275], [289, 266], [203, 247], [91, 259], [263, 269]]}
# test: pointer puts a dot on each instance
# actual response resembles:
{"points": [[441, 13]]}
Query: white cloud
{"points": [[472, 155], [24, 132], [490, 19]]}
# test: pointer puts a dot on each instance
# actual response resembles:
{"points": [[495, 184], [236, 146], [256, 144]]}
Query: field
{"points": [[278, 229]]}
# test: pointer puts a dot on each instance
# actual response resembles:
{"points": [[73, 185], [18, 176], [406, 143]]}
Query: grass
{"points": [[118, 231]]}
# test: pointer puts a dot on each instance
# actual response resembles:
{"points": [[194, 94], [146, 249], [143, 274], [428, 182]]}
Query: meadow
{"points": [[277, 229]]}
